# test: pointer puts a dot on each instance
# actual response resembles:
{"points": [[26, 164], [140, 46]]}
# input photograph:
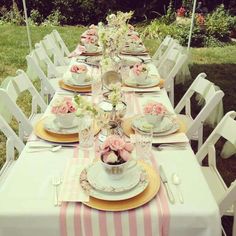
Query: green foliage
{"points": [[218, 23], [36, 17], [170, 14], [54, 19]]}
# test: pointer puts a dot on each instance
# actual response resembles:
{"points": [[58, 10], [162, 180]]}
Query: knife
{"points": [[167, 187]]}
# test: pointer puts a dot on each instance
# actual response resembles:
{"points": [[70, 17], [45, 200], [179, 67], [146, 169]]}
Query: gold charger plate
{"points": [[91, 53], [74, 88], [126, 125], [143, 53], [147, 195], [58, 138]]}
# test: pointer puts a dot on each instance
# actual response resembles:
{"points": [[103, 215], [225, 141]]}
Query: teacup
{"points": [[90, 47], [154, 120], [141, 78], [66, 120], [116, 172], [78, 77]]}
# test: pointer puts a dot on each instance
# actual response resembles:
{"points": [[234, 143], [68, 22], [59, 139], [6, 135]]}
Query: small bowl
{"points": [[66, 120]]}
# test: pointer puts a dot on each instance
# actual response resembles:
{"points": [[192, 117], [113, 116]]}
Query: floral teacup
{"points": [[78, 73], [66, 120], [91, 48]]}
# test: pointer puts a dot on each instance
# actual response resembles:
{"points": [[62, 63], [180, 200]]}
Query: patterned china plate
{"points": [[115, 196], [99, 179], [168, 125], [52, 125]]}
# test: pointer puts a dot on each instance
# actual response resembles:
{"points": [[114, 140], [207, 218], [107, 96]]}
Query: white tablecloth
{"points": [[27, 209]]}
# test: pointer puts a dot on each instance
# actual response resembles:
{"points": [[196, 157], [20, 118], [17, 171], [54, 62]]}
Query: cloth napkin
{"points": [[71, 191]]}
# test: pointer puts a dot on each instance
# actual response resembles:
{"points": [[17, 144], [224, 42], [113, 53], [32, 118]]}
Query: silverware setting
{"points": [[56, 181], [166, 184], [34, 147], [177, 181]]}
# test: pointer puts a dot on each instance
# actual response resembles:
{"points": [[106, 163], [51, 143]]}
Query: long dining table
{"points": [[27, 194]]}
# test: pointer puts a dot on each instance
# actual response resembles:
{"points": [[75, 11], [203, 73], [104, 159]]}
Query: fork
{"points": [[56, 181]]}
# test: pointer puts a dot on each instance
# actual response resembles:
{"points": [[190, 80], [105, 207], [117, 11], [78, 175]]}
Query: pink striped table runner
{"points": [[151, 219]]}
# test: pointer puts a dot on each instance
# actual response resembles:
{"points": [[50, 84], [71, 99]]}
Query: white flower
{"points": [[112, 157]]}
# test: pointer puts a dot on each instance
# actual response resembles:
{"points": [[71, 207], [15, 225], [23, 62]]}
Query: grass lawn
{"points": [[218, 63]]}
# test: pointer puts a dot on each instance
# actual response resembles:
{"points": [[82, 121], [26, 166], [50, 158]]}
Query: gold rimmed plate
{"points": [[50, 136], [75, 88], [144, 197]]}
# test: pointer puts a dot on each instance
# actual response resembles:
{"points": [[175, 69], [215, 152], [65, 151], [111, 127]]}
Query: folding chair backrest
{"points": [[44, 58], [226, 129], [9, 95], [170, 67], [209, 93], [162, 49], [53, 49], [60, 42], [33, 62], [12, 142]]}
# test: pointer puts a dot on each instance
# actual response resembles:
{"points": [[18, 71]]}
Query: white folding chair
{"points": [[170, 66], [9, 96], [61, 44], [224, 196], [53, 50], [211, 97], [12, 142], [53, 71], [162, 50], [48, 86]]}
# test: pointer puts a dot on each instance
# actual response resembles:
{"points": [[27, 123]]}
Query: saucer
{"points": [[115, 196], [149, 82], [99, 179], [52, 125], [141, 124]]}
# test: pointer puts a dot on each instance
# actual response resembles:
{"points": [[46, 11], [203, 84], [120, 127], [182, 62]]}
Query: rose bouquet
{"points": [[115, 151], [139, 72], [64, 109], [79, 72], [154, 112], [63, 106], [181, 12]]}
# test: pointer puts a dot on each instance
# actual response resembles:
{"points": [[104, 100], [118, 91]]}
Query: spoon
{"points": [[176, 181], [52, 149]]}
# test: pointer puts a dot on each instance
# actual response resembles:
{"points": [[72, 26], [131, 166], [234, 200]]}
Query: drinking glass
{"points": [[86, 132], [96, 83], [143, 144]]}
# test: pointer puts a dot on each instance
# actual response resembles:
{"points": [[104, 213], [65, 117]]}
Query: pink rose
{"points": [[63, 109], [134, 37], [116, 143], [74, 69], [124, 155], [138, 69], [55, 110], [129, 147]]}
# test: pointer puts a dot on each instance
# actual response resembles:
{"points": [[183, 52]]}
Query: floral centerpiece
{"points": [[115, 153], [139, 72], [112, 37], [64, 109], [79, 72], [115, 150], [154, 112]]}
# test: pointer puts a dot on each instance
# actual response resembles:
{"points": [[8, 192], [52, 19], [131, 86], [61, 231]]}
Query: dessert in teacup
{"points": [[116, 156], [154, 113], [139, 73], [64, 109], [79, 73]]}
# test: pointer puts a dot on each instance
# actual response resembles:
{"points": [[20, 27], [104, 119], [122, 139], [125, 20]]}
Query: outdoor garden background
{"points": [[213, 41]]}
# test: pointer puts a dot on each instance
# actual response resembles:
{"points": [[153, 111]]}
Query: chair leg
{"points": [[234, 222], [200, 137]]}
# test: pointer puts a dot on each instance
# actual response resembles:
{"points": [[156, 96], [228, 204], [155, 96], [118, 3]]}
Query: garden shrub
{"points": [[218, 23], [35, 17], [54, 19]]}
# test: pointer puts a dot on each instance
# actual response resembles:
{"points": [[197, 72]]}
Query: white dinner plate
{"points": [[114, 196], [100, 180], [52, 125], [69, 81], [107, 106]]}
